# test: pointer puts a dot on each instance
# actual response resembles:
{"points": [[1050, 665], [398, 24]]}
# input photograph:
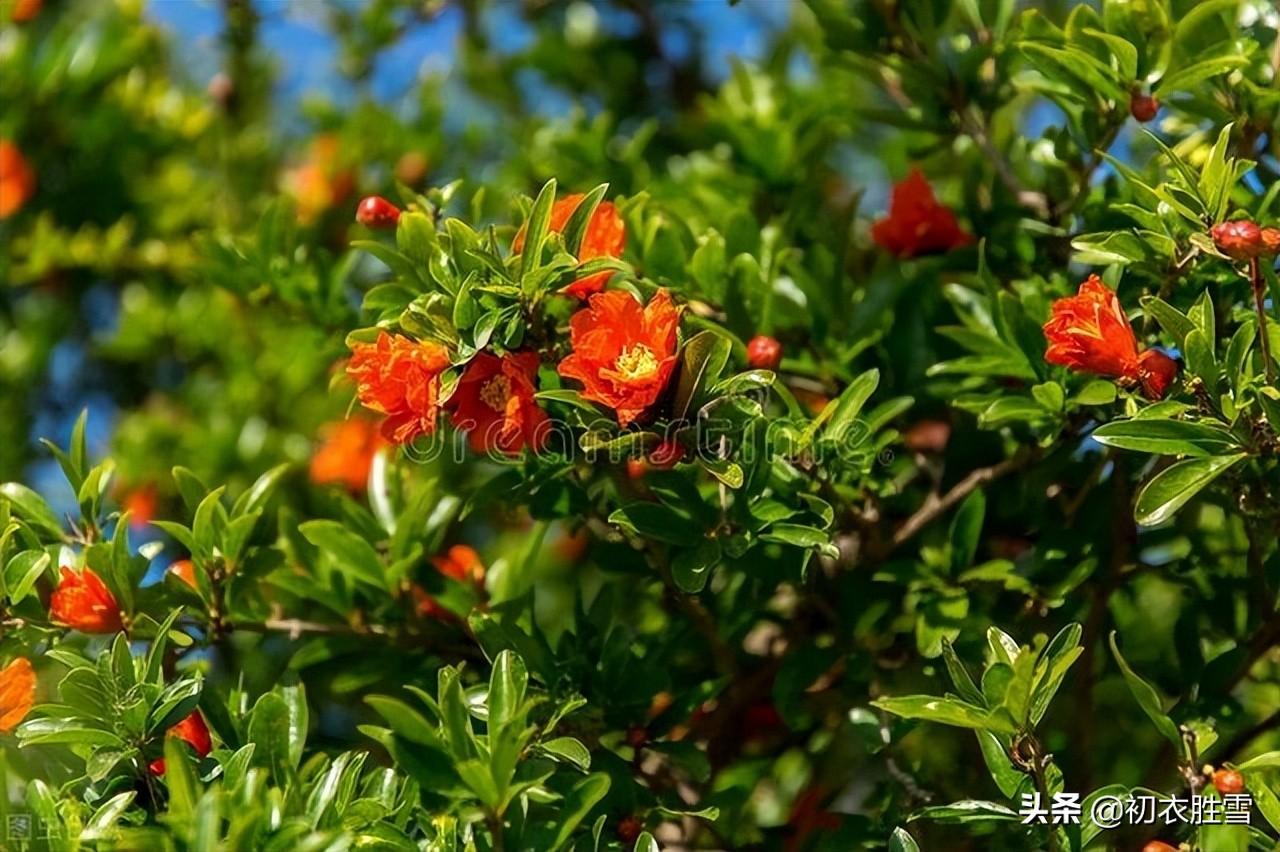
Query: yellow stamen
{"points": [[495, 393], [636, 363]]}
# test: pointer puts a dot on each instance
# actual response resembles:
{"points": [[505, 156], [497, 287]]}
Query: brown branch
{"points": [[935, 505]]}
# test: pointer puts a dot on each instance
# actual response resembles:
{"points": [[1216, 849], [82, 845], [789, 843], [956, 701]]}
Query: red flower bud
{"points": [[193, 731], [1159, 846], [764, 353], [83, 602], [1228, 781], [377, 212], [637, 736], [1143, 107], [629, 829], [1241, 239], [1271, 241]]}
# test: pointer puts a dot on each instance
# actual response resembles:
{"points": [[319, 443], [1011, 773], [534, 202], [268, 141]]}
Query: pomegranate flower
{"points": [[1089, 332], [191, 730], [17, 180], [494, 403], [400, 378], [345, 455], [917, 224], [605, 236], [17, 693], [83, 602], [623, 353], [461, 563]]}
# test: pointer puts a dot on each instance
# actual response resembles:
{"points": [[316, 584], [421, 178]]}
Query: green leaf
{"points": [[1170, 489], [405, 720], [701, 362], [569, 750], [901, 841], [966, 530], [1187, 77], [578, 802], [576, 227], [1147, 697], [945, 711], [691, 567], [1175, 323], [23, 570], [840, 415], [967, 811], [536, 231], [1166, 437], [351, 552], [657, 521], [646, 843], [180, 779], [507, 685], [31, 507]]}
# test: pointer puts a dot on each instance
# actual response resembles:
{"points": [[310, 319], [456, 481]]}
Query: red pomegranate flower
{"points": [[623, 352], [194, 732], [17, 693], [83, 602], [400, 378], [17, 181], [1089, 332], [141, 503], [346, 453], [461, 563], [605, 236], [917, 224], [494, 403]]}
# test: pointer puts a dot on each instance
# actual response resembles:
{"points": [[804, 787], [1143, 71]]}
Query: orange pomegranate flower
{"points": [[460, 563], [17, 181], [605, 236], [1089, 332], [141, 503], [400, 378], [83, 602], [623, 352], [917, 224], [494, 403], [25, 10], [195, 732], [321, 181], [346, 452], [184, 570], [17, 693]]}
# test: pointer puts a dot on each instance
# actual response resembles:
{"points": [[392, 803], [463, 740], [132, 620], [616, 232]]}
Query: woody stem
{"points": [[1259, 303]]}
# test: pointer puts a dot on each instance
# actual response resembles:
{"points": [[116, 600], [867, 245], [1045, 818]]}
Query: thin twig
{"points": [[940, 505]]}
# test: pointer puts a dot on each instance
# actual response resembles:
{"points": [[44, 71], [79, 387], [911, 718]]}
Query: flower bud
{"points": [[629, 829], [637, 736], [377, 212], [1270, 241], [1240, 239], [764, 353], [1228, 781], [1143, 107]]}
